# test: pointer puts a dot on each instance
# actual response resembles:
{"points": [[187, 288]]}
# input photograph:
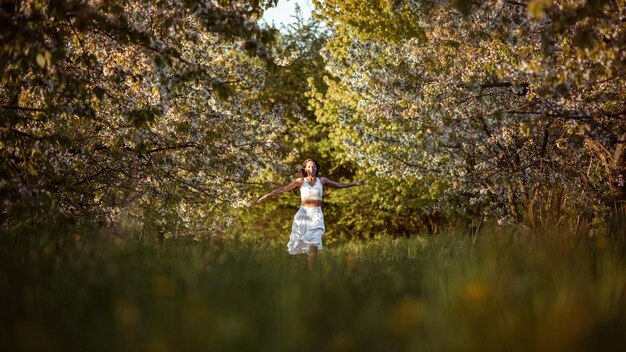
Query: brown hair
{"points": [[303, 172]]}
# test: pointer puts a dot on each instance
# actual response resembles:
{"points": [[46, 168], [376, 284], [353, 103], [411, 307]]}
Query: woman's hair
{"points": [[304, 165]]}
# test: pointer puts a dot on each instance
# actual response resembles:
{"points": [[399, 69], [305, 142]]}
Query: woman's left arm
{"points": [[334, 184]]}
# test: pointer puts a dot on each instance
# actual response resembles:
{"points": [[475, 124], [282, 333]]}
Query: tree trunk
{"points": [[513, 208], [617, 180]]}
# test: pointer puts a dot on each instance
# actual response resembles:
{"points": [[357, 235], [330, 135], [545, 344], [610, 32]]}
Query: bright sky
{"points": [[281, 14]]}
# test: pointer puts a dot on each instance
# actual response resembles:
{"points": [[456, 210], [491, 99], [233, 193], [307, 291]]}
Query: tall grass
{"points": [[497, 291]]}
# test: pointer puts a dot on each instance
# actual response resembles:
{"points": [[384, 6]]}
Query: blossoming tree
{"points": [[132, 109], [517, 105]]}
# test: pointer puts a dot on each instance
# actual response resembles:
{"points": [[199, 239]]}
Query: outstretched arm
{"points": [[277, 191], [329, 183]]}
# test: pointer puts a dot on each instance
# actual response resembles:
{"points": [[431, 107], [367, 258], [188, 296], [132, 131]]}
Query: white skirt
{"points": [[307, 229]]}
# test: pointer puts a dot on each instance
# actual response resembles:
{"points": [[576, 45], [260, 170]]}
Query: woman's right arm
{"points": [[289, 187]]}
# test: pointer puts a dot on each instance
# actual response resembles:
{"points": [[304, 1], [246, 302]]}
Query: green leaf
{"points": [[41, 60], [536, 9]]}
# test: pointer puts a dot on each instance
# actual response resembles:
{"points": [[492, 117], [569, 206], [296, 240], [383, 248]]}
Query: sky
{"points": [[281, 14]]}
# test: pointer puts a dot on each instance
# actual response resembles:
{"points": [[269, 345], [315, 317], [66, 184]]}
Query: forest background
{"points": [[167, 120]]}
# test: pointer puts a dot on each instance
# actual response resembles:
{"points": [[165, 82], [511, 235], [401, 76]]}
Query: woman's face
{"points": [[310, 168]]}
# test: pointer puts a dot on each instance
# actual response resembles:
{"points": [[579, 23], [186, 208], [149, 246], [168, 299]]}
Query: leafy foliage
{"points": [[165, 116], [138, 111], [517, 106]]}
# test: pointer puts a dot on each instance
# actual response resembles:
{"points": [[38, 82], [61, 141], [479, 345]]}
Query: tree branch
{"points": [[21, 108], [516, 3], [175, 147]]}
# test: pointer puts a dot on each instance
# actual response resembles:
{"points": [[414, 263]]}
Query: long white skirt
{"points": [[307, 229]]}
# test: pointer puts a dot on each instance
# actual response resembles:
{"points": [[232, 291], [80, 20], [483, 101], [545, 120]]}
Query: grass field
{"points": [[495, 292]]}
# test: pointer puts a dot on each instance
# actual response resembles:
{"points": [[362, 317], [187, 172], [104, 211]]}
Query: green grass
{"points": [[445, 293]]}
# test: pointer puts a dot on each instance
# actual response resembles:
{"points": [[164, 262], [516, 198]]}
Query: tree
{"points": [[133, 109], [517, 106]]}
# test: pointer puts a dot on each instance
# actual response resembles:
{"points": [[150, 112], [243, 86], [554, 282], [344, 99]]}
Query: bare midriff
{"points": [[311, 203]]}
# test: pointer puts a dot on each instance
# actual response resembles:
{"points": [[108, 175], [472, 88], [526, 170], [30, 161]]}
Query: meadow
{"points": [[491, 292]]}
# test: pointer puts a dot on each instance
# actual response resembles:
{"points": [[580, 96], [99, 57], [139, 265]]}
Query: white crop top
{"points": [[308, 192]]}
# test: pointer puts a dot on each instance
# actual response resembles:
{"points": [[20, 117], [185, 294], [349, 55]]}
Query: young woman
{"points": [[308, 224]]}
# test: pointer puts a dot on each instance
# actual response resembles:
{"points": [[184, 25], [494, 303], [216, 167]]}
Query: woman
{"points": [[308, 224]]}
